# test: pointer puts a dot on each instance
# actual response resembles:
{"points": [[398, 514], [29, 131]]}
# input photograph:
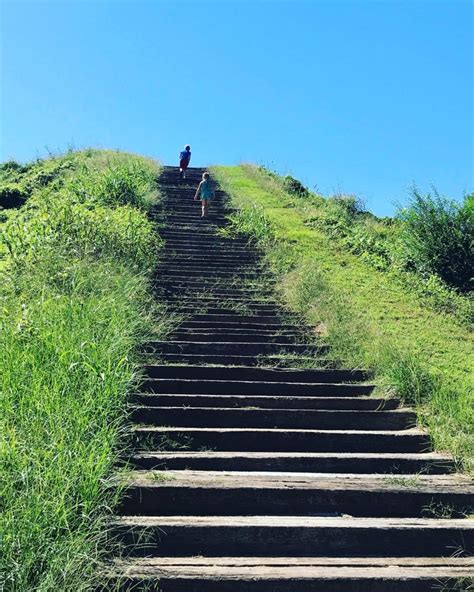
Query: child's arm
{"points": [[197, 190]]}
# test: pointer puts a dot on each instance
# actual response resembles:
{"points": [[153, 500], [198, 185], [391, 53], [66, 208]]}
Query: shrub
{"points": [[294, 186], [439, 237]]}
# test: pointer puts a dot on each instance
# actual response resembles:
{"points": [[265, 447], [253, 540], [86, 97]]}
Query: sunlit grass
{"points": [[75, 306], [420, 354]]}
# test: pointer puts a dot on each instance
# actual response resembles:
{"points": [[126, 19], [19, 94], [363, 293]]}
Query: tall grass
{"points": [[75, 304]]}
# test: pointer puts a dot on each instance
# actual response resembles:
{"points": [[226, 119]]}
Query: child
{"points": [[184, 158], [207, 193]]}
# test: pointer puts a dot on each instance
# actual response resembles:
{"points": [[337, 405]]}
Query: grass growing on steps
{"points": [[74, 306], [370, 319]]}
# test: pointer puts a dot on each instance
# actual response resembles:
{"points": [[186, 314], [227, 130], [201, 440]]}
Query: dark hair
{"points": [[187, 147]]}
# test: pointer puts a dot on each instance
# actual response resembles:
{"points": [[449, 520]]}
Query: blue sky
{"points": [[357, 96]]}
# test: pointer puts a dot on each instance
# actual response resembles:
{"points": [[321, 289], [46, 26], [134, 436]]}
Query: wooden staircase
{"points": [[252, 474]]}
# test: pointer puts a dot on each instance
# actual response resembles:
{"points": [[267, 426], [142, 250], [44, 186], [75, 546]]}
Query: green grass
{"points": [[74, 305], [374, 318]]}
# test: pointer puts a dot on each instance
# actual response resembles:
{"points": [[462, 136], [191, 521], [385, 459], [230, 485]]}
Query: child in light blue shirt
{"points": [[207, 193]]}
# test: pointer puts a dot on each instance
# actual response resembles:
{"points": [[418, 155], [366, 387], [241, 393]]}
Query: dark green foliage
{"points": [[294, 186], [18, 182], [12, 165], [12, 195], [439, 237]]}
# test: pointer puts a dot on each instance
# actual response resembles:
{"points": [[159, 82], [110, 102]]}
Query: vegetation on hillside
{"points": [[377, 288], [75, 263]]}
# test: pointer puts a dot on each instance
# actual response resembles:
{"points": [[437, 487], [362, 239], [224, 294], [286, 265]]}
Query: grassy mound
{"points": [[349, 275], [75, 263]]}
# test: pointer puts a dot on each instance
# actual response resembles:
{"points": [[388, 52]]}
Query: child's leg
{"points": [[205, 208]]}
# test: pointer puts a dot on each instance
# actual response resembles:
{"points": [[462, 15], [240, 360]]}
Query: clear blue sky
{"points": [[357, 96]]}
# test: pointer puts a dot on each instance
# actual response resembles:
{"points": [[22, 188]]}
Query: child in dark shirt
{"points": [[184, 158]]}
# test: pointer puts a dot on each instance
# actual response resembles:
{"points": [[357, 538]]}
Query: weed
{"points": [[411, 481]]}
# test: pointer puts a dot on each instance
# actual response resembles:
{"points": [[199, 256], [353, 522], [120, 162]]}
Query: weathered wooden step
{"points": [[221, 273], [255, 387], [237, 305], [298, 462], [290, 574], [218, 285], [273, 313], [237, 318], [205, 294], [214, 284], [200, 272], [246, 303], [239, 336], [239, 325], [201, 493], [234, 347], [267, 402], [224, 256], [248, 373], [280, 440], [205, 243], [333, 419], [304, 536], [182, 246], [220, 360]]}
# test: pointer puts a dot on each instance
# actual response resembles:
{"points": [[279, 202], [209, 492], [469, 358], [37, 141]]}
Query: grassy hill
{"points": [[77, 250], [372, 298]]}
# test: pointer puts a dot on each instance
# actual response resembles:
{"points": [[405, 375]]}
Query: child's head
{"points": [[187, 147], [205, 176]]}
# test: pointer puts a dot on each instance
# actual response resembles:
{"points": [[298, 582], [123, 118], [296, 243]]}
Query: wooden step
{"points": [[234, 347], [302, 536], [286, 494], [248, 373], [291, 574], [226, 360], [360, 403], [335, 419], [253, 387], [297, 462], [280, 440]]}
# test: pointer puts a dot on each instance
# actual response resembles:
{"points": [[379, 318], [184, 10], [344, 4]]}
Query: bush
{"points": [[294, 186], [439, 237]]}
